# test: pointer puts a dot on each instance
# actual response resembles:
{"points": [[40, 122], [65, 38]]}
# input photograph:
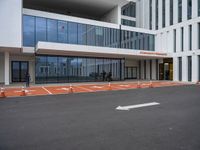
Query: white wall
{"points": [[11, 23], [113, 16]]}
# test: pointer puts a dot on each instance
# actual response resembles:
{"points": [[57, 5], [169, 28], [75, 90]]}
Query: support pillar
{"points": [[6, 68]]}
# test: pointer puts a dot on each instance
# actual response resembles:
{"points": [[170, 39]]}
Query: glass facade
{"points": [[59, 69], [135, 40], [42, 29]]}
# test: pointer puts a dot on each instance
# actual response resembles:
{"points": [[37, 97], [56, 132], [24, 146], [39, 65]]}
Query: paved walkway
{"points": [[53, 89]]}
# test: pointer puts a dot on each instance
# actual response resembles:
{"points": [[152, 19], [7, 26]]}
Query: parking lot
{"points": [[91, 121], [83, 88]]}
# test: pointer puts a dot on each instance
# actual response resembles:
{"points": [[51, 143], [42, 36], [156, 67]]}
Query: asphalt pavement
{"points": [[90, 121]]}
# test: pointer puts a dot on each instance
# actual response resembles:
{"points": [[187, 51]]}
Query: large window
{"points": [[82, 34], [182, 38], [198, 7], [190, 37], [52, 30], [53, 69], [129, 9], [171, 11], [150, 14], [189, 68], [180, 68], [174, 40], [62, 32], [198, 35], [73, 33], [163, 13], [189, 9], [156, 15], [128, 23], [41, 29], [179, 10], [29, 31]]}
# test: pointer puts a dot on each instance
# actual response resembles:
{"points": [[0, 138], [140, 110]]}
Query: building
{"points": [[84, 40]]}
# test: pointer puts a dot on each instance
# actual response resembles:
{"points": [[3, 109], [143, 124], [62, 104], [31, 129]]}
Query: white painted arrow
{"points": [[136, 106]]}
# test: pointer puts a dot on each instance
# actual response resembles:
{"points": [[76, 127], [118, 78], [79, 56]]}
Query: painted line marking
{"points": [[65, 89], [124, 85], [89, 90], [136, 106], [47, 90], [98, 87]]}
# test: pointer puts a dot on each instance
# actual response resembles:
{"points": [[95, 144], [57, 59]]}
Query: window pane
{"points": [[82, 33], [91, 35], [41, 69], [52, 29], [72, 33], [28, 30], [62, 32], [41, 29]]}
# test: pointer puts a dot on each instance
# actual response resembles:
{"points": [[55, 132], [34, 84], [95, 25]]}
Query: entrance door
{"points": [[131, 73], [19, 69]]}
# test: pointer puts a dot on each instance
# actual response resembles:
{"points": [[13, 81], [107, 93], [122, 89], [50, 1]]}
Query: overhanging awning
{"points": [[94, 51]]}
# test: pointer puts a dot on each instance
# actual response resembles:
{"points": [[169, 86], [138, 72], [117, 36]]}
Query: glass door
{"points": [[131, 72], [19, 69]]}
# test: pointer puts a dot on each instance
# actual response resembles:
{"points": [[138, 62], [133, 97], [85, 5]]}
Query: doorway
{"points": [[166, 70], [131, 73], [19, 69]]}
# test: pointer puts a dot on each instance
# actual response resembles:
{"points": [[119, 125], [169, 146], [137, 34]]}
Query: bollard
{"points": [[23, 91], [109, 86], [150, 84], [2, 95], [138, 85], [70, 89]]}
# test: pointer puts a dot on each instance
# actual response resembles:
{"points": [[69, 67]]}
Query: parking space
{"points": [[80, 88]]}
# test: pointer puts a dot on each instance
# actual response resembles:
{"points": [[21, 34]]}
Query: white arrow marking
{"points": [[136, 106]]}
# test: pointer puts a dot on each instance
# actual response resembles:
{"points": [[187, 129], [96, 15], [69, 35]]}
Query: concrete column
{"points": [[184, 10], [186, 38], [194, 8], [167, 17], [184, 69], [6, 68], [175, 68], [194, 36], [160, 14], [175, 12], [153, 14]]}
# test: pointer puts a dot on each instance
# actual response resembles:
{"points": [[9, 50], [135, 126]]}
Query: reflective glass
{"points": [[52, 30], [73, 33], [62, 32], [41, 29], [29, 31]]}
